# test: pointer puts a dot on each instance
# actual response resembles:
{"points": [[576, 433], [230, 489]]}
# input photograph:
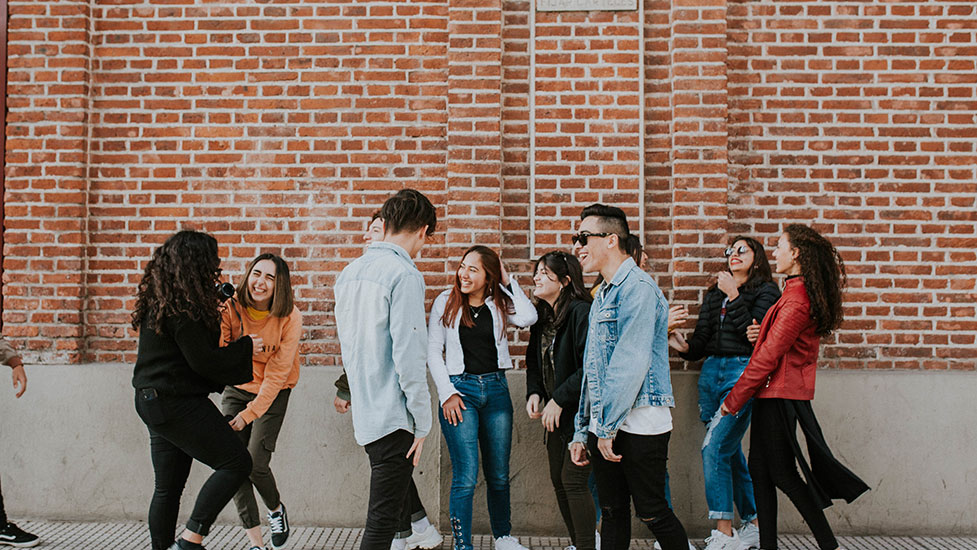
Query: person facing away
{"points": [[743, 292], [383, 339], [423, 534], [554, 371], [178, 363], [264, 304], [468, 354], [624, 422], [10, 534], [780, 378]]}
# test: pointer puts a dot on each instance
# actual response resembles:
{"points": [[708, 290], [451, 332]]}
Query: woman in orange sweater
{"points": [[264, 306]]}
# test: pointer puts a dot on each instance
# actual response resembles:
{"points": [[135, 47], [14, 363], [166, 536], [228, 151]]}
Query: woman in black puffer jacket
{"points": [[741, 297]]}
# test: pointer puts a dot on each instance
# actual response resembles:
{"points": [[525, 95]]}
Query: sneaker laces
{"points": [[277, 522]]}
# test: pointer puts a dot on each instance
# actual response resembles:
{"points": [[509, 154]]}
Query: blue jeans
{"points": [[727, 477], [486, 424]]}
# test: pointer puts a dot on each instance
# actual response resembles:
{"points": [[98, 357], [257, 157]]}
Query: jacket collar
{"points": [[396, 249], [622, 271]]}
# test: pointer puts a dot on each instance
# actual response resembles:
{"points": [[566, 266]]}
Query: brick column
{"points": [[699, 144]]}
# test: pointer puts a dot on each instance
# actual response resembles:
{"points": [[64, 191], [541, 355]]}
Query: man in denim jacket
{"points": [[624, 421], [383, 337]]}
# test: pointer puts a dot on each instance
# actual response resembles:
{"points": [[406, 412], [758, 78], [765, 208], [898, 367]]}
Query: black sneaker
{"points": [[279, 528], [11, 535], [183, 544]]}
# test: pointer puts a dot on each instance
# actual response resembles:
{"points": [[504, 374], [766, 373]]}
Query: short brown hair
{"points": [[408, 210], [282, 299]]}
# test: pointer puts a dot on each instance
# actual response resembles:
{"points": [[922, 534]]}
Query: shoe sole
{"points": [[30, 544], [426, 545]]}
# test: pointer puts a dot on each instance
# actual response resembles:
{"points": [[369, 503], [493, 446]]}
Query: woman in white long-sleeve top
{"points": [[468, 354]]}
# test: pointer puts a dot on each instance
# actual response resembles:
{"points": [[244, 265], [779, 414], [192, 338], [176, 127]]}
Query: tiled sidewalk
{"points": [[59, 535]]}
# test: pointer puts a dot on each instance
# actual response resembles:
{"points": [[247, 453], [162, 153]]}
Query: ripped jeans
{"points": [[724, 468]]}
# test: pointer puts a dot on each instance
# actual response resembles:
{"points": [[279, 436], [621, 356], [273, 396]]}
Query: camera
{"points": [[225, 291]]}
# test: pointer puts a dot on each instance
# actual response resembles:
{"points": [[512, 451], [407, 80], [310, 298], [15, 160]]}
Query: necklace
{"points": [[476, 310]]}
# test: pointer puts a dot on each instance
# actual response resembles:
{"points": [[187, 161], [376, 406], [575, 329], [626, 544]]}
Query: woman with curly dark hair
{"points": [[179, 362], [780, 376]]}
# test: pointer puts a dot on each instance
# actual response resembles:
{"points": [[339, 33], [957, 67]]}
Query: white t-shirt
{"points": [[645, 420]]}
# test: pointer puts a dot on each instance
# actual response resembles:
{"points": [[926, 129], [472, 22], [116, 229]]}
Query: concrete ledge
{"points": [[73, 448]]}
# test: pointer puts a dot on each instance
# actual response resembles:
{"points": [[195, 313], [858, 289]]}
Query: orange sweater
{"points": [[275, 368]]}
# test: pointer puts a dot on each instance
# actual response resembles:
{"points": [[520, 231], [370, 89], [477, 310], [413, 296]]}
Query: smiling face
{"points": [[786, 257], [471, 274], [261, 284], [547, 288], [594, 254], [741, 259], [374, 232]]}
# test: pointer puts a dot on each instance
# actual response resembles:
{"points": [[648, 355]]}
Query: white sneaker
{"points": [[398, 544], [722, 541], [749, 535], [426, 539], [597, 540], [571, 547], [658, 546], [508, 542]]}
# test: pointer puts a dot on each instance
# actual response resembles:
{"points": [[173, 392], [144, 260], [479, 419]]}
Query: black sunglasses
{"points": [[739, 250], [584, 235]]}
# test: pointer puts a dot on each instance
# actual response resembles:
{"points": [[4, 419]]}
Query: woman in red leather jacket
{"points": [[780, 376]]}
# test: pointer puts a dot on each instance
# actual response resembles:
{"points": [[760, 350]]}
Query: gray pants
{"points": [[260, 437]]}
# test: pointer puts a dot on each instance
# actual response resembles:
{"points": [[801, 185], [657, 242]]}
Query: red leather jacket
{"points": [[785, 358]]}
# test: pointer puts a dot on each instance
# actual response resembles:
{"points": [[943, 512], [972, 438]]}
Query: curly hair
{"points": [[824, 276], [180, 279]]}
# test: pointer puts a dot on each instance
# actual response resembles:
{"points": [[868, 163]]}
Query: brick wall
{"points": [[282, 126]]}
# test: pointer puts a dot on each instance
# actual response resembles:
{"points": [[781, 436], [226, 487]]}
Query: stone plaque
{"points": [[586, 5]]}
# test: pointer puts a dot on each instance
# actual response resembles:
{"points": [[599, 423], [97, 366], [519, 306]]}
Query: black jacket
{"points": [[186, 359], [568, 348], [728, 339]]}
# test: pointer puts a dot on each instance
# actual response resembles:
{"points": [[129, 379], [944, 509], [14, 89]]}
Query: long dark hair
{"points": [[566, 268], [180, 279], [282, 297], [824, 276], [759, 271], [458, 300]]}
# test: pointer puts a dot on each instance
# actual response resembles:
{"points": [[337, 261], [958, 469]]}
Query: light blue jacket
{"points": [[626, 360], [383, 338]]}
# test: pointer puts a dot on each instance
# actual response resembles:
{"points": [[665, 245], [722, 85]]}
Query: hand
{"points": [[452, 409], [753, 332], [727, 284], [677, 342], [532, 407], [723, 411], [578, 454], [606, 448], [341, 405], [505, 274], [676, 316], [237, 423], [415, 450], [551, 416], [20, 380], [257, 344]]}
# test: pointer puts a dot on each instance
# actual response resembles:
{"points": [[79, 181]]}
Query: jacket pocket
{"points": [[607, 324]]}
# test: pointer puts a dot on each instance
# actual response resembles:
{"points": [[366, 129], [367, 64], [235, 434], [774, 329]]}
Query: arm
{"points": [[791, 319], [628, 365], [740, 313], [702, 334], [408, 337], [227, 327], [525, 312], [436, 334], [278, 367], [9, 356], [567, 394], [767, 296], [534, 371], [228, 365]]}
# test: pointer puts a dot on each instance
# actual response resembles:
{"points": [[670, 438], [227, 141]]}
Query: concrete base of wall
{"points": [[73, 448]]}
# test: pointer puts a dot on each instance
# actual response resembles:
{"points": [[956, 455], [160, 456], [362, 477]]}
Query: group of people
{"points": [[597, 380]]}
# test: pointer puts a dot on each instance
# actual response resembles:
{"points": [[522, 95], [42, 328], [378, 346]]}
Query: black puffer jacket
{"points": [[728, 338], [568, 348]]}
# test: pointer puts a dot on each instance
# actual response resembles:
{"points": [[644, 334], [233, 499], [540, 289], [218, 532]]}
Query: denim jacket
{"points": [[626, 359], [383, 338]]}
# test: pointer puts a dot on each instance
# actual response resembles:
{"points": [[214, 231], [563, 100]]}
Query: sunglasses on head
{"points": [[739, 250], [582, 237]]}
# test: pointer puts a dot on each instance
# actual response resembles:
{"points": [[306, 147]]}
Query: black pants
{"points": [[638, 477], [390, 476], [415, 508], [772, 466], [570, 482], [182, 429], [3, 513]]}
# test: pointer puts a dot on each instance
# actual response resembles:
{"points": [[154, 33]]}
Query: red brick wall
{"points": [[282, 127]]}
